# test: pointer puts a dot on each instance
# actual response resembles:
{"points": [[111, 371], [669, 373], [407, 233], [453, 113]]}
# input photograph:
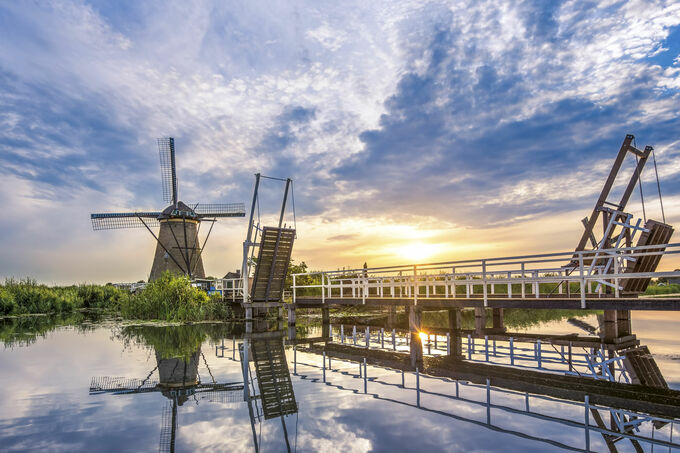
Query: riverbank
{"points": [[170, 298]]}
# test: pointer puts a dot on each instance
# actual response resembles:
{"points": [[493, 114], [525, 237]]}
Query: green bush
{"points": [[7, 303], [173, 298], [106, 297]]}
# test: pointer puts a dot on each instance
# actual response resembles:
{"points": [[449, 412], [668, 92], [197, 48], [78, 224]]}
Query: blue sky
{"points": [[473, 128]]}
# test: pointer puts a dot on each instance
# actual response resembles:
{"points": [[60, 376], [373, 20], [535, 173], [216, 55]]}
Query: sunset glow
{"points": [[416, 252]]}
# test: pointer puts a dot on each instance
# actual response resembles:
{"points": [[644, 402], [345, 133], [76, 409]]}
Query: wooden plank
{"points": [[272, 264]]}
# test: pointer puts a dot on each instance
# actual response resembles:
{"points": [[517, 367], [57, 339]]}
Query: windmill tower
{"points": [[178, 248]]}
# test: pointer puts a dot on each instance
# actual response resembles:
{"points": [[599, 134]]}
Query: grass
{"points": [[26, 296], [169, 298]]}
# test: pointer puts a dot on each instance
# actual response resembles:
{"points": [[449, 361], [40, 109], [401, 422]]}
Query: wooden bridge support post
{"points": [[291, 315], [392, 317], [498, 324], [455, 322], [623, 324], [414, 321], [480, 319], [325, 323], [609, 326], [455, 325]]}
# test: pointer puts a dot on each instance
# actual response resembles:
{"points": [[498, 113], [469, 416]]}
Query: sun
{"points": [[416, 252]]}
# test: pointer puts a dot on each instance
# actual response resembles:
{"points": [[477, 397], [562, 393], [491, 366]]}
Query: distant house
{"points": [[236, 274], [232, 275]]}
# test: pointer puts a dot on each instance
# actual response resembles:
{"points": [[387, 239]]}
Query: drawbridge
{"points": [[607, 270], [267, 253]]}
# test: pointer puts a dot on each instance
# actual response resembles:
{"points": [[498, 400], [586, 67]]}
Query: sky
{"points": [[414, 131]]}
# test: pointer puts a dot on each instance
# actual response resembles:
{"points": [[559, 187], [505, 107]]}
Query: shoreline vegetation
{"points": [[169, 298]]}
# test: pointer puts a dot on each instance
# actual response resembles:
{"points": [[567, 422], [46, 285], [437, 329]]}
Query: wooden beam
{"points": [[592, 220]]}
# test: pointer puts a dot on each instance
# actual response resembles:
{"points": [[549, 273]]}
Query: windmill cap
{"points": [[181, 210]]}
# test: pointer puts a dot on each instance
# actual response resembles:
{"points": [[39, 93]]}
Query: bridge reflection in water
{"points": [[605, 385], [519, 384]]}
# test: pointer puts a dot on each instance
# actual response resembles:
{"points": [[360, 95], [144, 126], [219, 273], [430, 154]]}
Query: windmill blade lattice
{"points": [[119, 220], [220, 210], [168, 428], [119, 385], [166, 151]]}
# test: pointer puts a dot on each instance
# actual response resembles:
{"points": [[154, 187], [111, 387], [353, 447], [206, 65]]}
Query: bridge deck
{"points": [[436, 303]]}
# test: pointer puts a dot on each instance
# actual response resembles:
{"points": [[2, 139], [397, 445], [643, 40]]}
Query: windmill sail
{"points": [[220, 209], [168, 427], [118, 220], [166, 151]]}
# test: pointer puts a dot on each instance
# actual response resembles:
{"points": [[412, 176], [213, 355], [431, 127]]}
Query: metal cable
{"points": [[147, 377], [642, 197], [272, 177], [209, 371], [563, 358], [292, 195]]}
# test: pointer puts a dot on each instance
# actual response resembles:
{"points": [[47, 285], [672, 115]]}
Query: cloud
{"points": [[473, 113], [501, 118]]}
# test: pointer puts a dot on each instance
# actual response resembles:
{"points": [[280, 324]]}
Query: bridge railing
{"points": [[584, 274], [230, 288]]}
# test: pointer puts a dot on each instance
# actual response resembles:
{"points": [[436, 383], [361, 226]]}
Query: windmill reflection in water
{"points": [[179, 381]]}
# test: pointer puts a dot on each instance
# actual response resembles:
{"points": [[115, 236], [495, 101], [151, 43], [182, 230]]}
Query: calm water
{"points": [[104, 386]]}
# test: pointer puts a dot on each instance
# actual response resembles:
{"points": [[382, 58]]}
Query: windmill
{"points": [[178, 248]]}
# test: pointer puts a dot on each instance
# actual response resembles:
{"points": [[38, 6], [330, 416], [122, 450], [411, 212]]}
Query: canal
{"points": [[89, 384]]}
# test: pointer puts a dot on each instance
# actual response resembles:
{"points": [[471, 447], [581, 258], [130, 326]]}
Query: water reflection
{"points": [[613, 379], [22, 331], [178, 354], [259, 388], [570, 411]]}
